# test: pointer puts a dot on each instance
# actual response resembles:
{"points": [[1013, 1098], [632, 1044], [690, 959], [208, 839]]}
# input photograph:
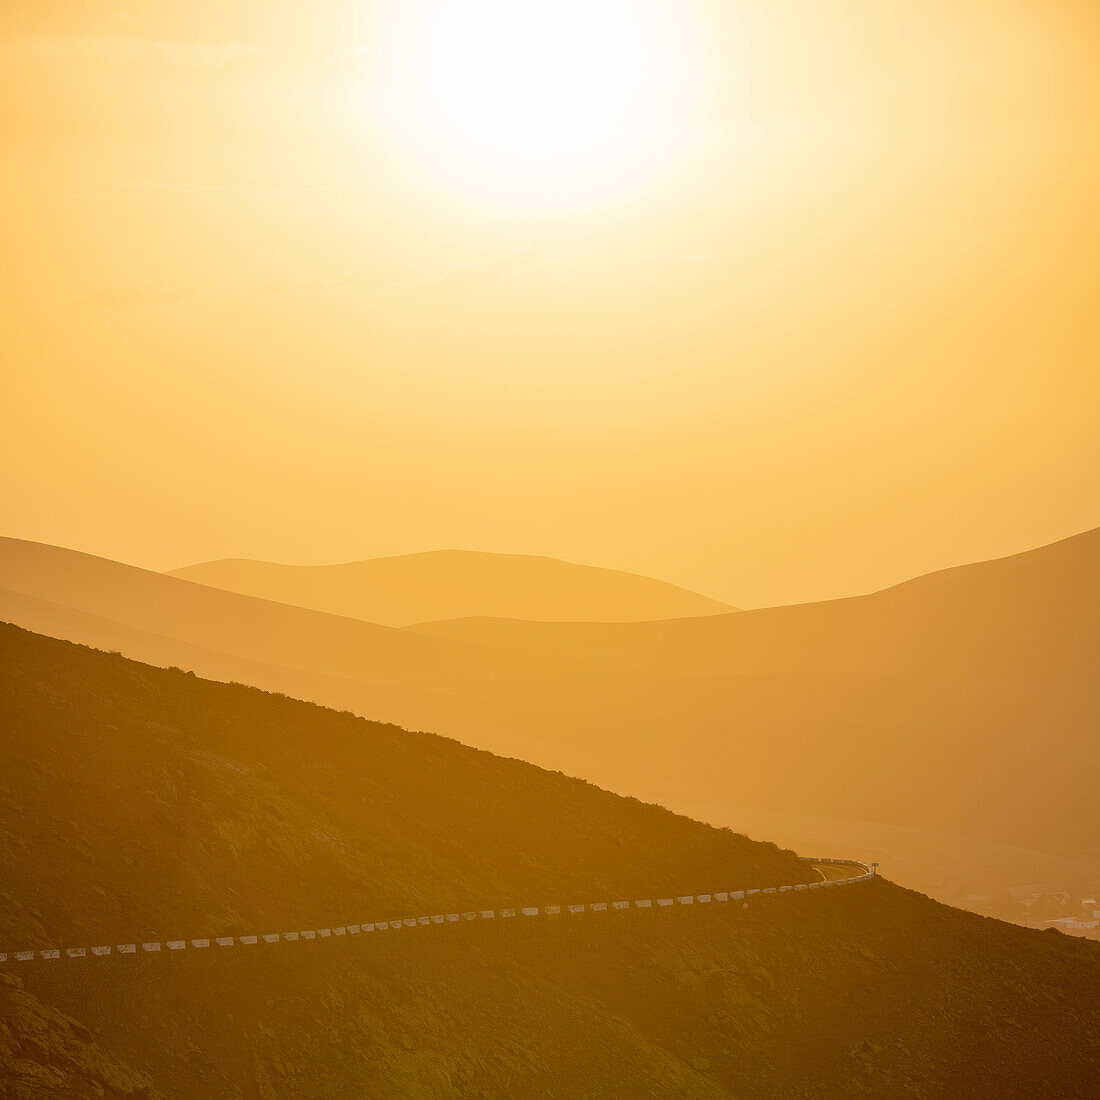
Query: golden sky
{"points": [[778, 302]]}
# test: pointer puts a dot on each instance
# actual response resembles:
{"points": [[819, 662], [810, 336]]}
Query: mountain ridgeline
{"points": [[140, 802], [450, 584], [935, 723]]}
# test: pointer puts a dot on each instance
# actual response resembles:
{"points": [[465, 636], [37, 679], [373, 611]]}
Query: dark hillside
{"points": [[139, 802], [222, 805], [962, 704]]}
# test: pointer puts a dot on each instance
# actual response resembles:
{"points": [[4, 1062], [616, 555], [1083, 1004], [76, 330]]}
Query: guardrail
{"points": [[151, 947], [869, 869]]}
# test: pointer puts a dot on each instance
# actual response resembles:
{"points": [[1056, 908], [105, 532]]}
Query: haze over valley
{"points": [[932, 724], [550, 550]]}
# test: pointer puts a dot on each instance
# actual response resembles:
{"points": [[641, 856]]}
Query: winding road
{"points": [[834, 873]]}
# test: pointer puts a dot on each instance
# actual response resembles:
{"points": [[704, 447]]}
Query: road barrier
{"points": [[272, 938]]}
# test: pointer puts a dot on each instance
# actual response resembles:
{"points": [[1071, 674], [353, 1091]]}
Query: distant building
{"points": [[1073, 925]]}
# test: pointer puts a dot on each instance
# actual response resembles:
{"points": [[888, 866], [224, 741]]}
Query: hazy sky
{"points": [[778, 301]]}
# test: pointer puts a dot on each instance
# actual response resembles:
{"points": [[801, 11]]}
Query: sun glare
{"points": [[545, 101]]}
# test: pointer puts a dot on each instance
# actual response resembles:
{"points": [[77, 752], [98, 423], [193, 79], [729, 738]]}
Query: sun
{"points": [[533, 100]]}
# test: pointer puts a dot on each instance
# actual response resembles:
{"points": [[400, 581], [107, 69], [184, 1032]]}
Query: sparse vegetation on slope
{"points": [[886, 710], [140, 801]]}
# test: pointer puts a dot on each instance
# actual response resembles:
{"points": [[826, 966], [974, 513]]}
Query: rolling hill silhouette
{"points": [[964, 702], [447, 584], [1032, 616], [959, 705], [144, 802]]}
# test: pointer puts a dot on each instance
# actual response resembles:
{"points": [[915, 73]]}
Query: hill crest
{"points": [[447, 584]]}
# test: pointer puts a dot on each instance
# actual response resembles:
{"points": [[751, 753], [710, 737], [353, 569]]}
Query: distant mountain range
{"points": [[449, 584], [142, 803], [960, 705], [1033, 616]]}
